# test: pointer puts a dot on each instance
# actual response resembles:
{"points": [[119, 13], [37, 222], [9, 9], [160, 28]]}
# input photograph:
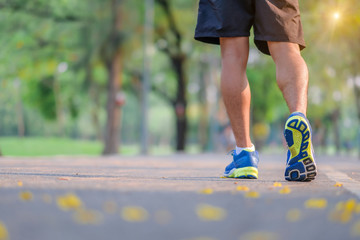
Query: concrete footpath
{"points": [[178, 197]]}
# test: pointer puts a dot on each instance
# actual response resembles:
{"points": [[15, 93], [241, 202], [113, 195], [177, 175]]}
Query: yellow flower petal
{"points": [[26, 196], [277, 184], [285, 190], [355, 230], [20, 183], [110, 207], [4, 235], [293, 215], [206, 191], [242, 188], [338, 184], [162, 217], [350, 205], [200, 238], [210, 213], [84, 216], [259, 236], [344, 211], [316, 203], [340, 216], [69, 202], [134, 214], [252, 194]]}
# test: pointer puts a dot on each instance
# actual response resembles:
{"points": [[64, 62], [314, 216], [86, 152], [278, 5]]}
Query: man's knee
{"points": [[235, 49]]}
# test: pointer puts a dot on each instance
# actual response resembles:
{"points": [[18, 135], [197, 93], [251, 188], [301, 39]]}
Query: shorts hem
{"points": [[261, 42], [215, 39]]}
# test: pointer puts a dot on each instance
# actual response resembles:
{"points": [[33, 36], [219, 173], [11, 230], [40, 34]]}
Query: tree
{"points": [[112, 56], [172, 38]]}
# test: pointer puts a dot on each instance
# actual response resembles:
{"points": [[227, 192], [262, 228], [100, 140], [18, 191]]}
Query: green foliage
{"points": [[267, 102], [54, 146], [44, 99]]}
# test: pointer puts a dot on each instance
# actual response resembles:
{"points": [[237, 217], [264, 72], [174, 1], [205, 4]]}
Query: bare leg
{"points": [[291, 74], [235, 87]]}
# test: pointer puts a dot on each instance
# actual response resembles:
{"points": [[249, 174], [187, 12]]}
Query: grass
{"points": [[41, 146]]}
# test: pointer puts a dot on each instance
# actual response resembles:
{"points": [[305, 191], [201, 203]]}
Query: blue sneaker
{"points": [[244, 165], [300, 164]]}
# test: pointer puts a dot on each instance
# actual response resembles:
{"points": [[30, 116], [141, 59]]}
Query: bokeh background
{"points": [[109, 76]]}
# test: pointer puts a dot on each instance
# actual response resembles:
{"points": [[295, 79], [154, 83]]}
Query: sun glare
{"points": [[336, 15]]}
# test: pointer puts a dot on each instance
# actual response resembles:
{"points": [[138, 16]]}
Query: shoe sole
{"points": [[301, 166], [245, 172]]}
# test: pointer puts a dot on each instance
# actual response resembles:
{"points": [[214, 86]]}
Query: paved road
{"points": [[178, 197]]}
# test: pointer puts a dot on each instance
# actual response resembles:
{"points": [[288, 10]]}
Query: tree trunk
{"points": [[19, 110], [113, 109], [335, 126], [204, 110], [180, 104], [95, 113], [181, 127], [59, 106]]}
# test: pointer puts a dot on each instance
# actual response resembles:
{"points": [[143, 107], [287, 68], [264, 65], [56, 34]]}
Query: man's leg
{"points": [[236, 94], [291, 74], [235, 87], [292, 79]]}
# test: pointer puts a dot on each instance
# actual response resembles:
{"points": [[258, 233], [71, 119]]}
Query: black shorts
{"points": [[273, 20]]}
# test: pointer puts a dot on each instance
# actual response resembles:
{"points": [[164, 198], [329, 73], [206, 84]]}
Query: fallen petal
{"points": [[62, 178], [4, 235], [25, 196], [316, 203], [69, 202], [338, 184], [84, 216], [252, 194], [210, 213], [285, 190], [206, 191], [259, 236], [242, 188], [134, 214], [277, 184]]}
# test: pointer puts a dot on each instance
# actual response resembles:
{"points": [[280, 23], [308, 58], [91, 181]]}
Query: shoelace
{"points": [[231, 152]]}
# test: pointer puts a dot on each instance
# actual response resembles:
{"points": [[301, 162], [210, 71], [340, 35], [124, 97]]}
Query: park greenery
{"points": [[74, 70]]}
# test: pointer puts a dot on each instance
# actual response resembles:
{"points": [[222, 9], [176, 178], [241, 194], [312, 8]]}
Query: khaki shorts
{"points": [[273, 20]]}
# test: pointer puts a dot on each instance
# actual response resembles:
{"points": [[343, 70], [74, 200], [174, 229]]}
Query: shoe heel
{"points": [[246, 172]]}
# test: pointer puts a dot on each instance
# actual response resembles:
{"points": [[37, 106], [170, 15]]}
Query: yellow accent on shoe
{"points": [[295, 149], [245, 172]]}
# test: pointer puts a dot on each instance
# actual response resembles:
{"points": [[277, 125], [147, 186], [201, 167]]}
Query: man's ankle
{"points": [[238, 150]]}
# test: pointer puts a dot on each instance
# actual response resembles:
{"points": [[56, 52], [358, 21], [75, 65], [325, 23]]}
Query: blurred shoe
{"points": [[244, 165], [300, 164]]}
